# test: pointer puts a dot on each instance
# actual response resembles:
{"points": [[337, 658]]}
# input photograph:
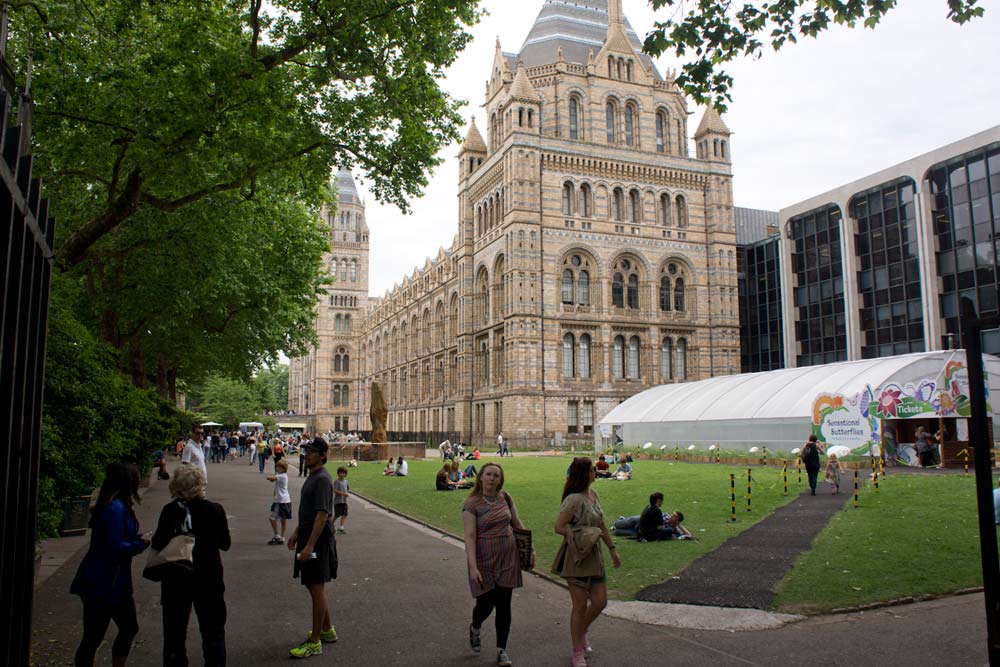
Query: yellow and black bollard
{"points": [[875, 479], [717, 459], [732, 494], [798, 469], [784, 474], [765, 457], [881, 465], [675, 453], [748, 489], [965, 455], [855, 487]]}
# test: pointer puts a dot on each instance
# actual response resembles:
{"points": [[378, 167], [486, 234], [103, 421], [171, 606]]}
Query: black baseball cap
{"points": [[317, 445]]}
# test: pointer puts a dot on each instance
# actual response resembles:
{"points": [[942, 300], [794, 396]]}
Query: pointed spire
{"points": [[615, 14], [474, 140], [711, 121], [522, 89]]}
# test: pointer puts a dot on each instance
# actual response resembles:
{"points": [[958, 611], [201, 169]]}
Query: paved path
{"points": [[744, 571], [402, 599]]}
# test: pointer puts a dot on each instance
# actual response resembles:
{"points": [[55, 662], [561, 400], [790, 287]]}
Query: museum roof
{"points": [[347, 191], [576, 27]]}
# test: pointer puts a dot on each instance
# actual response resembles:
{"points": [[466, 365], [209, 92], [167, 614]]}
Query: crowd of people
{"points": [[190, 534]]}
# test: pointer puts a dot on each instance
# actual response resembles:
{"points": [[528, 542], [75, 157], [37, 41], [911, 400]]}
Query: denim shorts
{"points": [[281, 511]]}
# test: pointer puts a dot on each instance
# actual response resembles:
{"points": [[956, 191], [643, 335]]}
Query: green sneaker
{"points": [[325, 636], [306, 649]]}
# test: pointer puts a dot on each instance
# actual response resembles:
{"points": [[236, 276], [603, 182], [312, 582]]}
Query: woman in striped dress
{"points": [[491, 553]]}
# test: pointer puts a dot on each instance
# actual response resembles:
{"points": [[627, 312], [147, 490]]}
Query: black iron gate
{"points": [[25, 268]]}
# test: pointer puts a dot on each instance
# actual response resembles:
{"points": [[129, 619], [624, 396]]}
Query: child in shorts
{"points": [[340, 491], [281, 506]]}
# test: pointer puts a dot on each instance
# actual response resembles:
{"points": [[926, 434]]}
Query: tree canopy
{"points": [[716, 32], [159, 105]]}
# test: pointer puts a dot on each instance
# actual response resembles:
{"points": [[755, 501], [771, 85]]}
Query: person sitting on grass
{"points": [[390, 467], [457, 478], [624, 470], [655, 526], [601, 468], [402, 468], [441, 481]]}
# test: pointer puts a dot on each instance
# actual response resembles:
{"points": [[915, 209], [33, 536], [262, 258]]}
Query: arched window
{"points": [[453, 324], [520, 117], [583, 288], [667, 360], [617, 205], [629, 125], [620, 63], [583, 356], [618, 358], [610, 121], [347, 363], [661, 132], [666, 293], [611, 67], [567, 198], [633, 358], [336, 395], [681, 212], [347, 322], [635, 206], [343, 268], [722, 148], [333, 268], [682, 351], [484, 297], [665, 210], [618, 291], [568, 352], [680, 138], [531, 118], [633, 292], [715, 147], [338, 322], [585, 201], [344, 392], [679, 295], [628, 70], [574, 118], [336, 364], [567, 286]]}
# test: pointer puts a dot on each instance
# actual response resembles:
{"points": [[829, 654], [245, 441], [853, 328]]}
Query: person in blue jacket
{"points": [[104, 578]]}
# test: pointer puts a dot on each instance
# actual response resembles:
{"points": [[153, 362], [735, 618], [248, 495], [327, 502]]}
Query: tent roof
{"points": [[782, 394]]}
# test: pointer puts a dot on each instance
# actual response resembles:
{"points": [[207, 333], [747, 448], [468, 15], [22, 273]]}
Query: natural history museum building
{"points": [[594, 256]]}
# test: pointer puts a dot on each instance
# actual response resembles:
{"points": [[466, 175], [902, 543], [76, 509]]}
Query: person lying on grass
{"points": [[654, 525]]}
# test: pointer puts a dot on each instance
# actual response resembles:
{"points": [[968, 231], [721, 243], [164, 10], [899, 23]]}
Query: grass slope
{"points": [[700, 491], [917, 536]]}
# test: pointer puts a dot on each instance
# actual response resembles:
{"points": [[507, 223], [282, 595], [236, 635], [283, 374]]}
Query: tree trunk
{"points": [[162, 382], [172, 385], [137, 364]]}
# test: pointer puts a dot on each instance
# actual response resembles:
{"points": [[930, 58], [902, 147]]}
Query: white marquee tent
{"points": [[772, 408]]}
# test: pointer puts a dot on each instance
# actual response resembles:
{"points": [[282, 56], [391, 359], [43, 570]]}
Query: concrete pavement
{"points": [[402, 599]]}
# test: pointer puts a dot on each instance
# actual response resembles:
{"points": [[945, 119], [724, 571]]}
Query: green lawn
{"points": [[917, 536], [701, 492]]}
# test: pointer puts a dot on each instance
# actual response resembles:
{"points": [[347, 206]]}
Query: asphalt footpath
{"points": [[744, 571], [402, 598]]}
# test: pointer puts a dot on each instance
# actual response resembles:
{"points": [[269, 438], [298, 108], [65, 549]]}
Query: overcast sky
{"points": [[818, 114]]}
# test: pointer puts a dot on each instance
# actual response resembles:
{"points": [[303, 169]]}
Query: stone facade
{"points": [[595, 257], [324, 385]]}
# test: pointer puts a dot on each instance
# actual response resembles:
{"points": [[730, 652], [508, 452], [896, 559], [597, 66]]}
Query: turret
{"points": [[712, 137], [525, 104], [472, 153]]}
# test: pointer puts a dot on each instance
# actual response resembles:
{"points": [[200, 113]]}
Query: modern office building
{"points": [[759, 284], [877, 266]]}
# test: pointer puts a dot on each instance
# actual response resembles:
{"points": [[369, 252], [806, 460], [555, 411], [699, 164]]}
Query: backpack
{"points": [[267, 452], [806, 452]]}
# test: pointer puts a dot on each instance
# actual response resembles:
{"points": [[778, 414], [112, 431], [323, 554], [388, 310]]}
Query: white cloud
{"points": [[816, 114]]}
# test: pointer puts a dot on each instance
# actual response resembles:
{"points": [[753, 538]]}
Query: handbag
{"points": [[177, 555], [522, 537]]}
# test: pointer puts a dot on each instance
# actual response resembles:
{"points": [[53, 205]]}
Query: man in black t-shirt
{"points": [[315, 546]]}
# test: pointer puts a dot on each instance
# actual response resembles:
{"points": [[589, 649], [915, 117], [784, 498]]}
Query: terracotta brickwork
{"points": [[595, 257]]}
